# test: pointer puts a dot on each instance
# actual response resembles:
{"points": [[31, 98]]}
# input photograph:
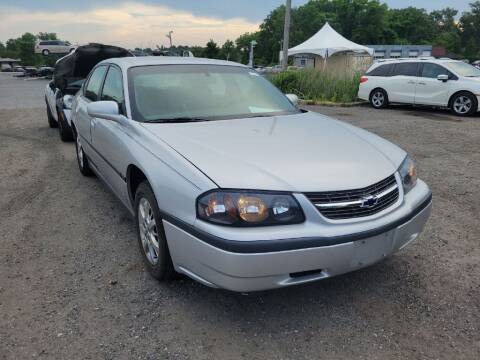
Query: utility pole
{"points": [[250, 58], [169, 36], [286, 34]]}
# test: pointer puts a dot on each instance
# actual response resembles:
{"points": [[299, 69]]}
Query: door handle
{"points": [[411, 82], [422, 83]]}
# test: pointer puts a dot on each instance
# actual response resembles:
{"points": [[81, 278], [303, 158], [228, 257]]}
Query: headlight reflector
{"points": [[245, 208], [408, 173]]}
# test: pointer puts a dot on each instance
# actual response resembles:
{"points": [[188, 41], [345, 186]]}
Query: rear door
{"points": [[401, 84], [430, 90]]}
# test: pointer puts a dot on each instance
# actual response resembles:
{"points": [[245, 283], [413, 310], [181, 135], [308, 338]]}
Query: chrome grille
{"points": [[356, 203]]}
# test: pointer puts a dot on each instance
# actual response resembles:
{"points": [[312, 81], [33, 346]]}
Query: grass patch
{"points": [[317, 86]]}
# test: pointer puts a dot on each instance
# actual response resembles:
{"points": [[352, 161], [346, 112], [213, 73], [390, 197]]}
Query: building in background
{"points": [[401, 51]]}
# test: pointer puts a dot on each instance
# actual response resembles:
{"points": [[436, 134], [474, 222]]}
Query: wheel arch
{"points": [[377, 88], [134, 176], [461, 92]]}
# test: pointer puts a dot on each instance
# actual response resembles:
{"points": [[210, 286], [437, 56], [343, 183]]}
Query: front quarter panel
{"points": [[175, 181]]}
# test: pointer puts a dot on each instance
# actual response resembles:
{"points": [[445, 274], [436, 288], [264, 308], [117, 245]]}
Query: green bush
{"points": [[317, 86]]}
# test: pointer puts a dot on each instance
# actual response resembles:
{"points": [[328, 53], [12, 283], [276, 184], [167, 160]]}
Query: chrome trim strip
{"points": [[355, 202]]}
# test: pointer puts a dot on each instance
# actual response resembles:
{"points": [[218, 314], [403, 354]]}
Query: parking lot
{"points": [[72, 282]]}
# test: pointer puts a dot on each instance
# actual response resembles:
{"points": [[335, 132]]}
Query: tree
{"points": [[447, 32], [243, 46], [47, 36], [228, 50], [470, 31], [412, 25], [366, 22], [24, 49], [211, 51]]}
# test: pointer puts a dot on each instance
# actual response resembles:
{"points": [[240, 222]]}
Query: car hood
{"points": [[78, 64], [300, 153]]}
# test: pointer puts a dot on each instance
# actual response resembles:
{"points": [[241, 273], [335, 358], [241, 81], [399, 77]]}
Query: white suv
{"points": [[424, 81], [47, 47]]}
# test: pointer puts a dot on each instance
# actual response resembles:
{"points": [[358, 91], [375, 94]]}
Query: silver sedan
{"points": [[234, 186]]}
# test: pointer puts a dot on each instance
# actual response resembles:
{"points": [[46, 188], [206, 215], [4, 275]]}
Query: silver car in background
{"points": [[234, 186]]}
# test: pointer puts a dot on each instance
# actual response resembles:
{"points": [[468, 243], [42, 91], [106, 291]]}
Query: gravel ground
{"points": [[72, 283]]}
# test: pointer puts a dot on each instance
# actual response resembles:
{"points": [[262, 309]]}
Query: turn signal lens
{"points": [[408, 173], [242, 208]]}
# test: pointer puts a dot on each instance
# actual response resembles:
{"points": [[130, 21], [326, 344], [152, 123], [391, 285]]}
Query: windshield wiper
{"points": [[183, 119]]}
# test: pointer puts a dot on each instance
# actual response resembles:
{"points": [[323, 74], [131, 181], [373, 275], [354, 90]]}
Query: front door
{"points": [[90, 92], [109, 137], [430, 90]]}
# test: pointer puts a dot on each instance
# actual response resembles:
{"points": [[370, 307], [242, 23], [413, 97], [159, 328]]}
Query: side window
{"points": [[405, 69], [94, 83], [433, 70], [382, 70], [43, 43], [113, 86]]}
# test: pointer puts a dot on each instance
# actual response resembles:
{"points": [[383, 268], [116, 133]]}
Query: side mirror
{"points": [[293, 99], [442, 77], [107, 110]]}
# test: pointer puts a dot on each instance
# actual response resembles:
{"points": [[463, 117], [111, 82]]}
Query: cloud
{"points": [[130, 25]]}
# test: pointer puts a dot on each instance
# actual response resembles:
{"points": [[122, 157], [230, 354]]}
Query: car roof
{"points": [[128, 62], [420, 59]]}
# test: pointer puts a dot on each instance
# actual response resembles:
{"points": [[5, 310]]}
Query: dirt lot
{"points": [[72, 284]]}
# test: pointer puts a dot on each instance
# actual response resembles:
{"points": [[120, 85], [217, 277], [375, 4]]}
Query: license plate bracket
{"points": [[372, 250]]}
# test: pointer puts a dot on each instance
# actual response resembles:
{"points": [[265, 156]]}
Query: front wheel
{"points": [[151, 235], [46, 52], [82, 159], [464, 104], [379, 99]]}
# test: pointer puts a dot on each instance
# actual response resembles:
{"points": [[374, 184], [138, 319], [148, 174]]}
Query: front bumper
{"points": [[244, 270]]}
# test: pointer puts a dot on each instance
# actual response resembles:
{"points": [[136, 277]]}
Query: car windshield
{"points": [[464, 69], [202, 92]]}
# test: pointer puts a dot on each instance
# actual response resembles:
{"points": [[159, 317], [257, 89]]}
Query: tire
{"points": [[152, 242], [45, 52], [463, 104], [64, 129], [379, 99], [82, 158], [51, 120]]}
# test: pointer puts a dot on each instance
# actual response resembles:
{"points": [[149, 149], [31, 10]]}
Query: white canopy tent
{"points": [[327, 42]]}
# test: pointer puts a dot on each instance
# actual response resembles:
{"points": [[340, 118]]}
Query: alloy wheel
{"points": [[148, 231], [378, 99], [462, 105]]}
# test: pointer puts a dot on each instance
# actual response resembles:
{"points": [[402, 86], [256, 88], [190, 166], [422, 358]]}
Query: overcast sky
{"points": [[144, 23]]}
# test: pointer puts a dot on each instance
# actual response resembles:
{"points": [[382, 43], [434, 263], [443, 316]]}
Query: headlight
{"points": [[68, 102], [408, 173], [245, 208]]}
